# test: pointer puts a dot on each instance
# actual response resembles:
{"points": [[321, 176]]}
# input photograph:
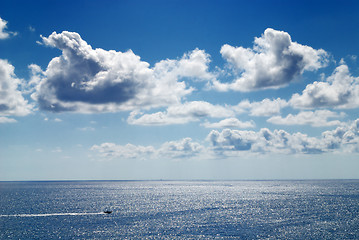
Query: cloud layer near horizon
{"points": [[232, 143], [184, 148]]}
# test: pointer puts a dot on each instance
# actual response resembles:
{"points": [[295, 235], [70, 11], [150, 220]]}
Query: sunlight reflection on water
{"points": [[180, 210]]}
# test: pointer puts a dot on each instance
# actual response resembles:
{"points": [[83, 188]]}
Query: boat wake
{"points": [[51, 214]]}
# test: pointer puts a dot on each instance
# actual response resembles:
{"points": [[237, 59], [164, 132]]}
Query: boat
{"points": [[107, 211]]}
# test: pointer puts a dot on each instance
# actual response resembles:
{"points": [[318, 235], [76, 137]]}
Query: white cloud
{"points": [[317, 118], [7, 120], [264, 141], [58, 120], [158, 118], [230, 123], [86, 129], [3, 33], [112, 151], [181, 113], [184, 148], [273, 62], [84, 79], [193, 65], [344, 138], [234, 142], [12, 102], [266, 107], [36, 75], [340, 90], [196, 110]]}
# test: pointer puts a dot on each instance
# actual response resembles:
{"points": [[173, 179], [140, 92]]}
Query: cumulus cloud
{"points": [[231, 142], [340, 90], [263, 141], [343, 138], [84, 79], [230, 123], [3, 32], [36, 75], [273, 62], [12, 102], [192, 65], [181, 113], [317, 118], [266, 107], [184, 148]]}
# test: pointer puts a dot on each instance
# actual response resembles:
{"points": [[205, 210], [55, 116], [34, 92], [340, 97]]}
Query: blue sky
{"points": [[179, 90]]}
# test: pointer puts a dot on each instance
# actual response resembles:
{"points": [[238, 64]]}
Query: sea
{"points": [[309, 209]]}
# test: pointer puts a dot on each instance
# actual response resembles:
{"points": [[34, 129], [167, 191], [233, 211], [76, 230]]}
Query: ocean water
{"points": [[180, 210]]}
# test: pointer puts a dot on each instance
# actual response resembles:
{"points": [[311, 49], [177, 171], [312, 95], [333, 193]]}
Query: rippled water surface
{"points": [[180, 210]]}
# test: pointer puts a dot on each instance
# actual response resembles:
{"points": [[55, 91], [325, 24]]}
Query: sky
{"points": [[192, 90]]}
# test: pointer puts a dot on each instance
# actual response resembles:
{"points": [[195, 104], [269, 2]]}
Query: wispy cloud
{"points": [[46, 119], [57, 150], [32, 29], [85, 129], [184, 148], [266, 107], [181, 114], [230, 123], [7, 120], [128, 151], [318, 118]]}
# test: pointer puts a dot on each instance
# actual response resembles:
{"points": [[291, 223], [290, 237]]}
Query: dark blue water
{"points": [[180, 210]]}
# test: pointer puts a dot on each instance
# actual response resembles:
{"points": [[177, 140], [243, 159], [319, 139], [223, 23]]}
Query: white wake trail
{"points": [[50, 214]]}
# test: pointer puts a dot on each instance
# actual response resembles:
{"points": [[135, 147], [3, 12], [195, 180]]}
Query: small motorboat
{"points": [[107, 211]]}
